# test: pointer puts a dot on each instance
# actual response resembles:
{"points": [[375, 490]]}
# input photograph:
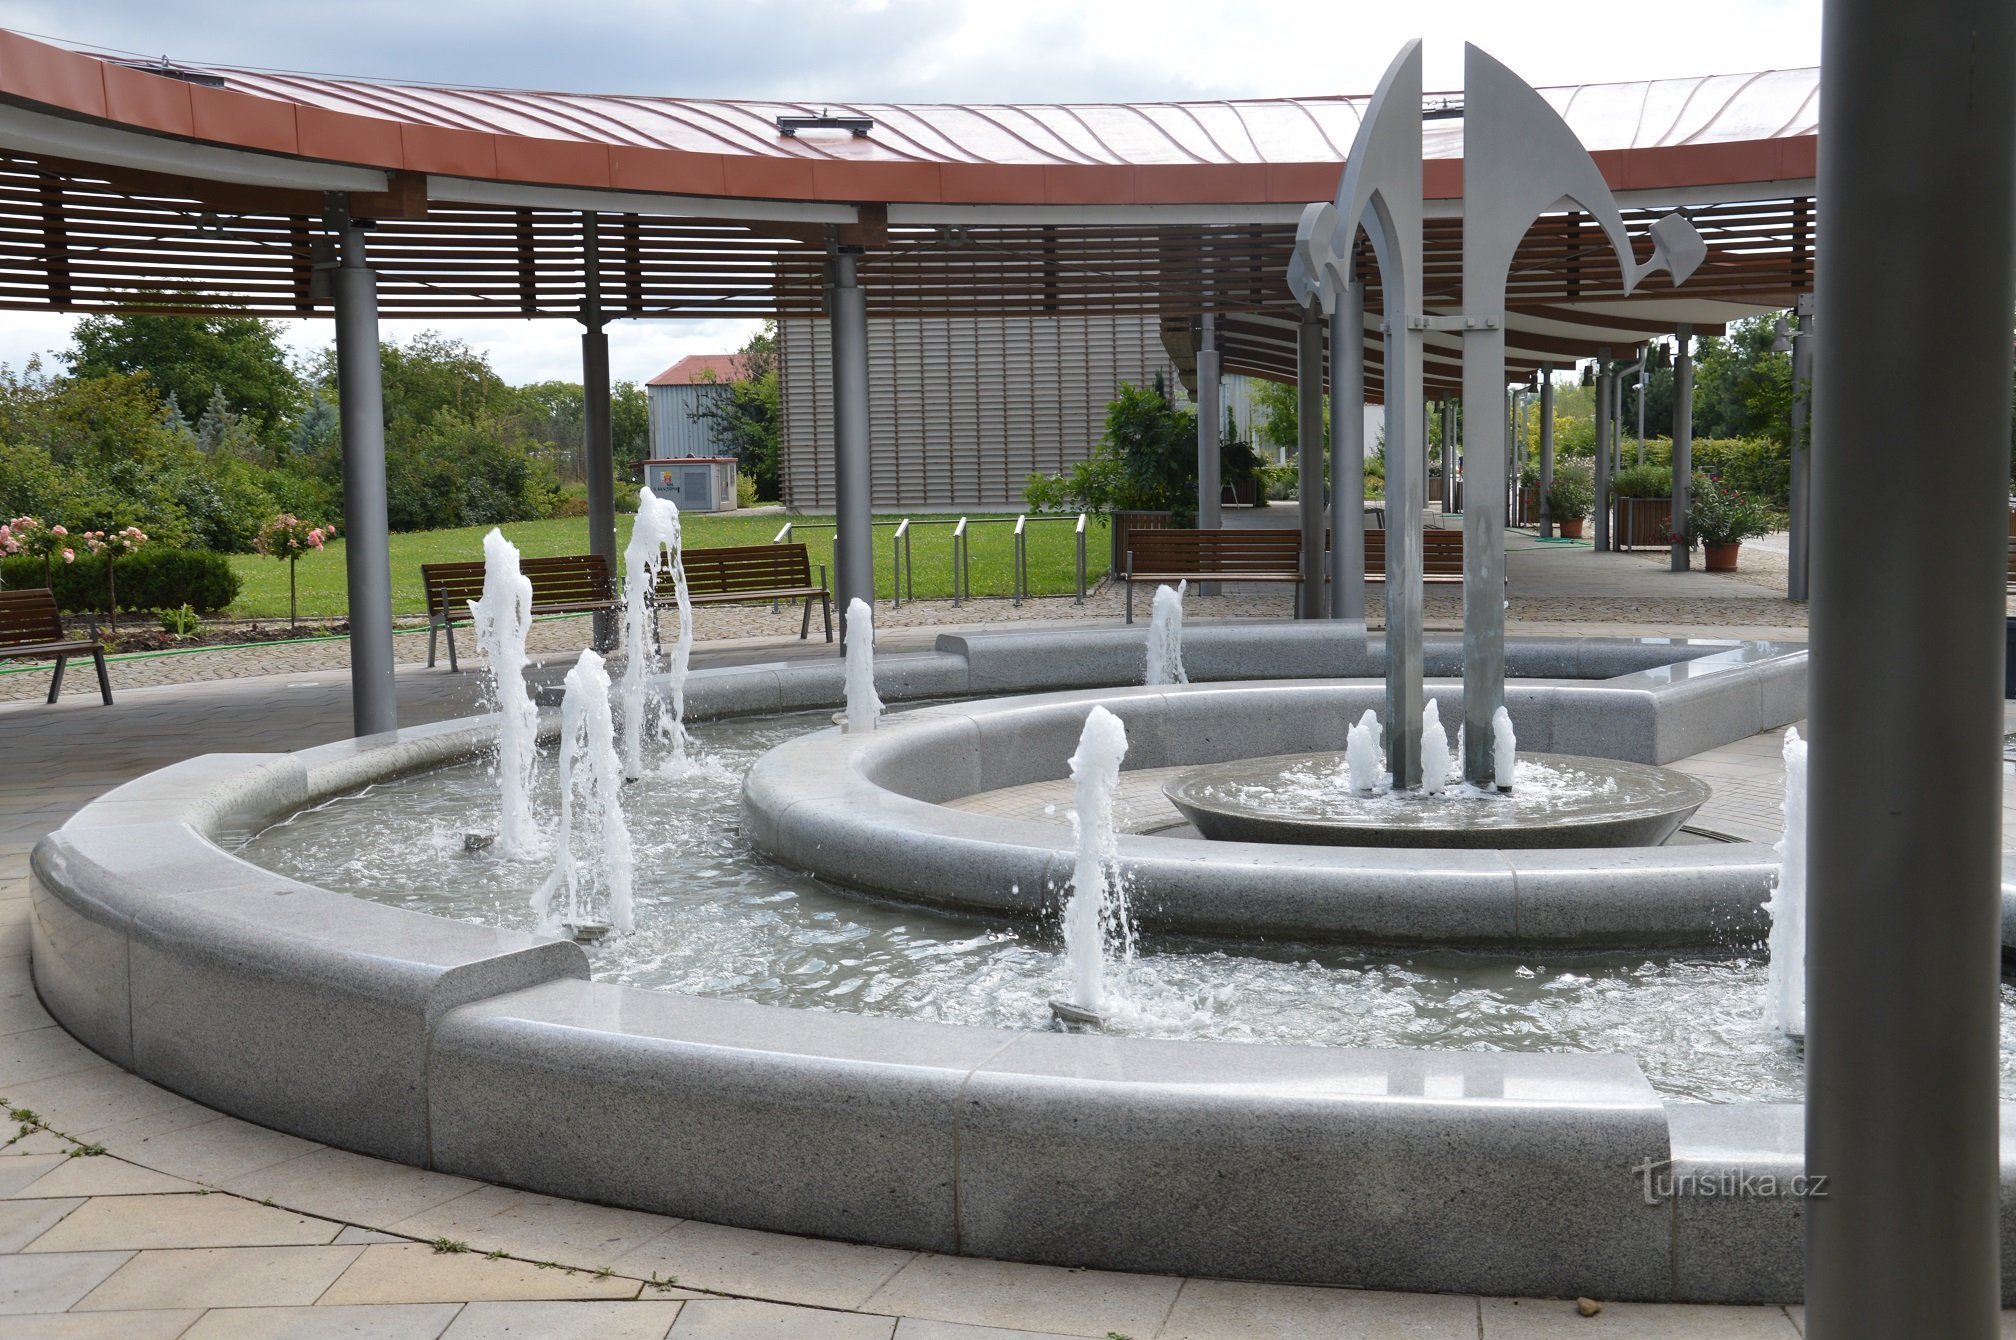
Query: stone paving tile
{"points": [[1546, 1319], [416, 1273], [411, 1322], [365, 1237], [539, 1228], [210, 1151], [1224, 1310], [28, 1169], [765, 1265], [647, 1320], [54, 1283], [43, 1053], [111, 1223], [23, 1221], [104, 1176], [77, 1104], [217, 1277], [916, 1328], [350, 1187], [153, 1325], [41, 1144], [737, 1319], [1015, 1296], [20, 1011]]}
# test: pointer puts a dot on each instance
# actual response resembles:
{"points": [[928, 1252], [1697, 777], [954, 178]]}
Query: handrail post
{"points": [[1081, 560], [958, 548], [898, 543], [1020, 576]]}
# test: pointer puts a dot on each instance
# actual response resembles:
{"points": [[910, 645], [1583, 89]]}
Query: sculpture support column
{"points": [[1210, 423], [1683, 447], [1310, 601], [1347, 455], [1605, 379], [360, 391], [1800, 540], [1484, 436], [1546, 450], [853, 493], [597, 440], [1917, 181]]}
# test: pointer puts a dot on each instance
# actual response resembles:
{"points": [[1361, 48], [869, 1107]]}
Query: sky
{"points": [[888, 51]]}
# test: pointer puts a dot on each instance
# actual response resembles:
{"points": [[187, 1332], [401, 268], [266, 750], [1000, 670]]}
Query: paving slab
{"points": [[211, 1151], [807, 1271], [416, 1273], [645, 1320], [117, 1223], [23, 1221], [350, 1187], [1015, 1296], [28, 1169], [1226, 1310], [737, 1319], [539, 1228], [1546, 1319], [103, 1176], [218, 1277], [54, 1283], [148, 1325], [410, 1322]]}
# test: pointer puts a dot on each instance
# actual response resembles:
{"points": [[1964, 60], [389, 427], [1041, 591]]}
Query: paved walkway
{"points": [[127, 1211]]}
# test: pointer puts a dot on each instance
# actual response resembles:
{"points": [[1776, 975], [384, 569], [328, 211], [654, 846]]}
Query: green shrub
{"points": [[1754, 465], [155, 578], [1643, 481], [1573, 492]]}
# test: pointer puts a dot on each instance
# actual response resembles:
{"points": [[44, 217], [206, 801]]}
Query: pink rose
{"points": [[69, 555], [58, 530]]}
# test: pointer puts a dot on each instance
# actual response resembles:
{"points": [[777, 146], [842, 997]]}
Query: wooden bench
{"points": [[1166, 556], [571, 584], [747, 573], [30, 625], [1441, 556]]}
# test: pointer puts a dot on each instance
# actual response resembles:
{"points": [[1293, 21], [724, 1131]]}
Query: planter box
{"points": [[1642, 523]]}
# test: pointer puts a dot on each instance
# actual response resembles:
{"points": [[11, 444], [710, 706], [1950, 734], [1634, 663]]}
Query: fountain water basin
{"points": [[1556, 800]]}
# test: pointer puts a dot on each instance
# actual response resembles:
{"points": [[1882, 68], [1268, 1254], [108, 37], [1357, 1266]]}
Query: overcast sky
{"points": [[892, 51]]}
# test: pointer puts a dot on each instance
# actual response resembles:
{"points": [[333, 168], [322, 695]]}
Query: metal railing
{"points": [[902, 562]]}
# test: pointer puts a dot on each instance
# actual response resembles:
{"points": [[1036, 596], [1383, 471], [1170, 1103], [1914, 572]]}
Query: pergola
{"points": [[129, 186]]}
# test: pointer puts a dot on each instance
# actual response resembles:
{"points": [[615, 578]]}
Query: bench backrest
{"points": [[572, 579], [1216, 551], [28, 616], [746, 567], [1441, 552]]}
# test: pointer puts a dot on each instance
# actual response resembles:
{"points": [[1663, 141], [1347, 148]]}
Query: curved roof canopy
{"points": [[203, 188]]}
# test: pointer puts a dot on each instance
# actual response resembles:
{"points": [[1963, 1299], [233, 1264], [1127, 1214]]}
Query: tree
{"points": [[1742, 387], [629, 423], [1147, 461], [748, 421], [194, 359]]}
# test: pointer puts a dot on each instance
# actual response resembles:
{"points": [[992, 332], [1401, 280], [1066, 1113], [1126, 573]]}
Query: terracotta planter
{"points": [[1570, 529], [1721, 557]]}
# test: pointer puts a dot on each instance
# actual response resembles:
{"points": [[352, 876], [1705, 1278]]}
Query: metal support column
{"points": [[1683, 445], [1310, 602], [1917, 180], [1347, 455], [1484, 433], [1210, 426], [1800, 540], [1605, 425], [360, 392], [853, 539], [1449, 456], [597, 448], [1546, 450]]}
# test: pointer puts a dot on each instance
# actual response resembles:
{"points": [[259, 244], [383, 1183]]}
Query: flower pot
{"points": [[1570, 528], [1721, 557]]}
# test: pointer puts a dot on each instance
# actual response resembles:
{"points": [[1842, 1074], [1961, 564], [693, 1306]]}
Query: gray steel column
{"points": [[1310, 601], [1406, 498], [1484, 434], [1449, 454], [360, 393], [1347, 455], [1800, 540], [1917, 186], [597, 449], [853, 496], [1601, 510], [1210, 423], [1546, 450], [1683, 445]]}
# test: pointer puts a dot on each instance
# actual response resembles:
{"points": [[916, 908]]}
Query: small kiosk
{"points": [[695, 483]]}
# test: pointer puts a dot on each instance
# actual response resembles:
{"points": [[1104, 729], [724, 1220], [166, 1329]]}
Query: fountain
{"points": [[503, 619], [655, 528], [1165, 637], [1434, 751], [1098, 904], [1361, 755], [1785, 1001], [1504, 749], [864, 708], [590, 769]]}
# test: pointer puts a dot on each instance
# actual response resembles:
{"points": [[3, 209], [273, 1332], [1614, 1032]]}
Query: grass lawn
{"points": [[1052, 569]]}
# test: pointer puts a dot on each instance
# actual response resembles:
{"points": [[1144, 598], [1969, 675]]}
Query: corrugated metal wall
{"points": [[674, 430], [962, 409]]}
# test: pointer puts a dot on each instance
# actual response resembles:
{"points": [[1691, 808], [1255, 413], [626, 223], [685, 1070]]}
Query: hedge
{"points": [[155, 578]]}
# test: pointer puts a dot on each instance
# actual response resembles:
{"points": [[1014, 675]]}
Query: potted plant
{"points": [[1721, 518], [1642, 505], [1570, 497]]}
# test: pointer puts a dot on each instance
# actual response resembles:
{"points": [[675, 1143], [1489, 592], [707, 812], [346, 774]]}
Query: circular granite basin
{"points": [[1557, 800]]}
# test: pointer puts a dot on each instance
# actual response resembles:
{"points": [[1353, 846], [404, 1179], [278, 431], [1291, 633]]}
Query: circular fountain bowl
{"points": [[1556, 800]]}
